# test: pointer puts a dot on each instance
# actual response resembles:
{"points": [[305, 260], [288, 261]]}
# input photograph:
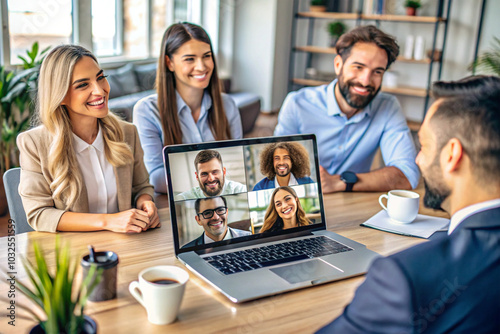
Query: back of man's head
{"points": [[368, 34], [469, 110], [206, 156]]}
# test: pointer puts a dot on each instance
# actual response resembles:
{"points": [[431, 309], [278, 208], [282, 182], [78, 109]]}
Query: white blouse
{"points": [[98, 174]]}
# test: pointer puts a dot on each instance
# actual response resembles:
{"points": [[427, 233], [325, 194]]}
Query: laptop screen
{"points": [[234, 191]]}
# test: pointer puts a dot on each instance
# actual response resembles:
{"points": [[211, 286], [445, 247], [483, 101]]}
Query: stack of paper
{"points": [[423, 226]]}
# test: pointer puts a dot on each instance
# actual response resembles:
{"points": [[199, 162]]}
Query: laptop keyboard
{"points": [[255, 258]]}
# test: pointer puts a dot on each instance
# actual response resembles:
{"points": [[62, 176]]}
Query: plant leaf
{"points": [[45, 50], [30, 270], [489, 61], [23, 75], [34, 51], [25, 62], [14, 92]]}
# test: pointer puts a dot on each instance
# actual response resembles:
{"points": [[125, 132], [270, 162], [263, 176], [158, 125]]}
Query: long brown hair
{"points": [[175, 36], [271, 218]]}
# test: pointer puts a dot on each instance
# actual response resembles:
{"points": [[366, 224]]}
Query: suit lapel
{"points": [[121, 173], [200, 240], [82, 204]]}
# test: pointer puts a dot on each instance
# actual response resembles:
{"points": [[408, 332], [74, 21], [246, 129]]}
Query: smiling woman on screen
{"points": [[188, 106], [82, 169], [284, 211]]}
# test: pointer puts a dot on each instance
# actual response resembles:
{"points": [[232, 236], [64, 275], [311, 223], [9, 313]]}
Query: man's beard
{"points": [[435, 192], [288, 170], [355, 100], [215, 192], [435, 197]]}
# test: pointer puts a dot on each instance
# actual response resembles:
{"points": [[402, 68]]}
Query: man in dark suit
{"points": [[449, 284], [211, 214]]}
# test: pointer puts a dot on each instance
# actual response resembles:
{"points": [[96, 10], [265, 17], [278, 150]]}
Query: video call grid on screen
{"points": [[246, 206]]}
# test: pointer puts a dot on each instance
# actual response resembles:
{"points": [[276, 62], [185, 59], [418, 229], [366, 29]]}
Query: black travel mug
{"points": [[108, 261]]}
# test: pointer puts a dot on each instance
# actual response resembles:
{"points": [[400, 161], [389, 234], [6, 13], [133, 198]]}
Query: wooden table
{"points": [[204, 310]]}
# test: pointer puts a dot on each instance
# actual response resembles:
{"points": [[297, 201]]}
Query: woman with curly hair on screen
{"points": [[284, 211]]}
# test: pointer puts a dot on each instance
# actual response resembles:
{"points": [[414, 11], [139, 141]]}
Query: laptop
{"points": [[247, 239]]}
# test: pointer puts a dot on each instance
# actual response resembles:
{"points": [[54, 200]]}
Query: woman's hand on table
{"points": [[150, 208]]}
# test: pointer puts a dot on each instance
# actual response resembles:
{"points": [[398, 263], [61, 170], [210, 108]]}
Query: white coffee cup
{"points": [[162, 299], [402, 205]]}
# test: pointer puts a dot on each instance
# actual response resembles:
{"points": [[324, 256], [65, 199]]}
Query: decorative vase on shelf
{"points": [[317, 8], [410, 11], [412, 6]]}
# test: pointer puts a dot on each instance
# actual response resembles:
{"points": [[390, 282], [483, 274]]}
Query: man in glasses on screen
{"points": [[211, 214]]}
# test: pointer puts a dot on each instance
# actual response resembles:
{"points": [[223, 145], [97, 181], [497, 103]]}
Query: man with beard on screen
{"points": [[211, 176], [351, 119], [450, 283], [283, 164]]}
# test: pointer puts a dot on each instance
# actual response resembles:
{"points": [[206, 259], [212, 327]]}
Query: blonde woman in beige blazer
{"points": [[80, 145]]}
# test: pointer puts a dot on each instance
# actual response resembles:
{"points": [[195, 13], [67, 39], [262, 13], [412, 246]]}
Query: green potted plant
{"points": [[489, 61], [317, 6], [412, 6], [336, 29], [17, 89], [54, 293]]}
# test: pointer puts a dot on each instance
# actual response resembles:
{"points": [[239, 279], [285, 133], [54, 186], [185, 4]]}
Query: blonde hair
{"points": [[271, 218], [54, 82]]}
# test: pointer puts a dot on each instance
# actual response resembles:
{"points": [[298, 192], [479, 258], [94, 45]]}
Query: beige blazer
{"points": [[42, 211]]}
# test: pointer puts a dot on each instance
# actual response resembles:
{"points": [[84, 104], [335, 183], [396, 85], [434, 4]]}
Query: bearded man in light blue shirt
{"points": [[351, 119]]}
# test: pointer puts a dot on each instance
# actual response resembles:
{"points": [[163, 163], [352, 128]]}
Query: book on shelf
{"points": [[379, 7], [368, 7]]}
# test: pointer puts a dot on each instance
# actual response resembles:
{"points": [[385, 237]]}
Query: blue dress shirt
{"points": [[267, 183], [147, 120], [350, 144]]}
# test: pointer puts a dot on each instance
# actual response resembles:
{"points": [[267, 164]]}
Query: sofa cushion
{"points": [[249, 106], [243, 99], [124, 105], [122, 81], [146, 75]]}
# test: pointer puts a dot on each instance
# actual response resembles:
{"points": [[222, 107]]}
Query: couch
{"points": [[132, 82]]}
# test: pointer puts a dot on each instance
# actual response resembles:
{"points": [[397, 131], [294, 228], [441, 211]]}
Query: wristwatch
{"points": [[349, 178]]}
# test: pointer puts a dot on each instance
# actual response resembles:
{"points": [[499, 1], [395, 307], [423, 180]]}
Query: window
{"points": [[135, 29], [114, 30], [47, 22], [160, 21], [180, 10], [106, 28]]}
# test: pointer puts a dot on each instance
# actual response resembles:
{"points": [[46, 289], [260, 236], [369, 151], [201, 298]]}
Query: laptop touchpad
{"points": [[305, 271]]}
